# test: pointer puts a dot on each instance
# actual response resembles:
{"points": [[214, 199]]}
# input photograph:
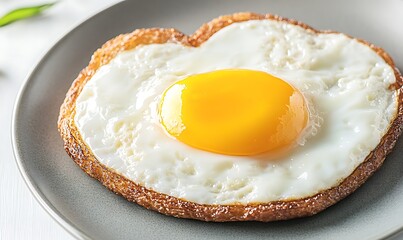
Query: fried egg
{"points": [[262, 111]]}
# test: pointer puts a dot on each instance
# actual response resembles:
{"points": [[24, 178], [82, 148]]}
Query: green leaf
{"points": [[22, 13]]}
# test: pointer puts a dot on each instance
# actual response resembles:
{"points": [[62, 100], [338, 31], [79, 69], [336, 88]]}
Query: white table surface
{"points": [[22, 44]]}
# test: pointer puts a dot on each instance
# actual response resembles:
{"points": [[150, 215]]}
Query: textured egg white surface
{"points": [[344, 81]]}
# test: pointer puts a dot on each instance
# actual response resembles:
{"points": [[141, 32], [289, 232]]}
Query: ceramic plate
{"points": [[88, 210]]}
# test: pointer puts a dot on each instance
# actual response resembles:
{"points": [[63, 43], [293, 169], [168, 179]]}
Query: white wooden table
{"points": [[22, 44]]}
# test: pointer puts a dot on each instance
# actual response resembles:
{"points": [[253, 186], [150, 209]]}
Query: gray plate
{"points": [[88, 210]]}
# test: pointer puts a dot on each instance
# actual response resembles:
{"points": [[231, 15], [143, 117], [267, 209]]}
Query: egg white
{"points": [[344, 81]]}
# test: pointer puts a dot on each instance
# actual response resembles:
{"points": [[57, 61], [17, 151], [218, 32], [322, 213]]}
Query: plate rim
{"points": [[38, 195]]}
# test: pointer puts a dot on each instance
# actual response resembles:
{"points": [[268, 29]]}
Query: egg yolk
{"points": [[234, 112]]}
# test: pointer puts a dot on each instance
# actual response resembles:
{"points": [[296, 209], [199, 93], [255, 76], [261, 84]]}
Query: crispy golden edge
{"points": [[270, 211]]}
